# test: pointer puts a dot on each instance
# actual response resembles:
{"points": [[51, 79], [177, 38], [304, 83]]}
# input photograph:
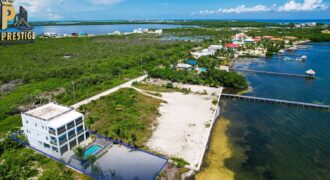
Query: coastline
{"points": [[219, 150]]}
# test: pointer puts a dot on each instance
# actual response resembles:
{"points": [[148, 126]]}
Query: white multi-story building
{"points": [[54, 129]]}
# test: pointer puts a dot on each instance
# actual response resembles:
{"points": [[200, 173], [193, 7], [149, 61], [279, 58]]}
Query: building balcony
{"points": [[78, 122], [61, 131], [70, 126], [72, 136], [80, 131], [52, 132], [63, 141], [53, 143]]}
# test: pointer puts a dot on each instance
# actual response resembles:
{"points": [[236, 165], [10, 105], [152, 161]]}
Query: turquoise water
{"points": [[276, 141], [92, 150]]}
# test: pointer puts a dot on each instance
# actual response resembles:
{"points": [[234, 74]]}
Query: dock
{"points": [[278, 101], [274, 73]]}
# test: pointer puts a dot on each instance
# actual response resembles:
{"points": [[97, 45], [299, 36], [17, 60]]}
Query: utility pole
{"points": [[74, 91]]}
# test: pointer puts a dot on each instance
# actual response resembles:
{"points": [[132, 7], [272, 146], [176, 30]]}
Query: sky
{"points": [[54, 10]]}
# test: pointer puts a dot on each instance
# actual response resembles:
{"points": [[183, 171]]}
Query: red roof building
{"points": [[232, 45]]}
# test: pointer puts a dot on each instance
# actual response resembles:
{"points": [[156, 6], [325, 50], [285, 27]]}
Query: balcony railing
{"points": [[52, 132], [61, 131], [53, 143], [80, 131], [78, 122], [70, 126], [63, 141], [72, 136]]}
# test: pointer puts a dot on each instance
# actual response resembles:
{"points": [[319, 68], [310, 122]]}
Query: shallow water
{"points": [[282, 142]]}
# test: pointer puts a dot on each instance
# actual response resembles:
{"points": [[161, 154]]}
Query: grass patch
{"points": [[125, 115]]}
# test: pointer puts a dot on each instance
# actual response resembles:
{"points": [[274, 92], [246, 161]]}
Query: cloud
{"points": [[307, 5], [238, 10], [58, 9], [41, 8], [291, 6]]}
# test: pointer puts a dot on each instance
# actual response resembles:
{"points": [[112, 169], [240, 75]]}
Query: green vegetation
{"points": [[179, 162], [313, 34], [212, 77], [125, 115], [155, 88], [95, 64], [18, 163]]}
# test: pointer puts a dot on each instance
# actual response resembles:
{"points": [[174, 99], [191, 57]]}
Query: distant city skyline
{"points": [[53, 10]]}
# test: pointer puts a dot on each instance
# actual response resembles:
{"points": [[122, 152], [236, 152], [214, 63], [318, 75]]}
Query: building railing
{"points": [[71, 126], [52, 132], [72, 136], [61, 131], [80, 131], [63, 141], [79, 121], [53, 143]]}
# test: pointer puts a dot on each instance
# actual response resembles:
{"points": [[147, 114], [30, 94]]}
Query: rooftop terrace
{"points": [[49, 111]]}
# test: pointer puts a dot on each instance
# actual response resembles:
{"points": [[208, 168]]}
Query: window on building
{"points": [[70, 125], [47, 138], [64, 149], [27, 122], [47, 146], [54, 149], [79, 121], [35, 124], [62, 139], [80, 129], [72, 134], [61, 130]]}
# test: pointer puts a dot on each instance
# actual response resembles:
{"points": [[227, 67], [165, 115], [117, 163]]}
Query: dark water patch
{"points": [[278, 142]]}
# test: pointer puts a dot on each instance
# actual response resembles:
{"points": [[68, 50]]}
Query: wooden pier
{"points": [[278, 101], [274, 73]]}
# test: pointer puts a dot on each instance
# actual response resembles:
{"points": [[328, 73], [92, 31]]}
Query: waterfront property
{"points": [[54, 129]]}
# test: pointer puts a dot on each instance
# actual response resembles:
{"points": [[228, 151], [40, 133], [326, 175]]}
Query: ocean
{"points": [[272, 141]]}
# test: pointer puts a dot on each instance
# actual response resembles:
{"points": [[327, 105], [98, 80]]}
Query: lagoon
{"points": [[98, 29]]}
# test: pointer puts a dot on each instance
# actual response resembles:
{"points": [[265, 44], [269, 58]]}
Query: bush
{"points": [[179, 162], [169, 85]]}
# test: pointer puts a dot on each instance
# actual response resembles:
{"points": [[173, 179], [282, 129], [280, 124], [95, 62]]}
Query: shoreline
{"points": [[217, 153]]}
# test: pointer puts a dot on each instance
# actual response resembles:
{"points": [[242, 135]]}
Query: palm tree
{"points": [[91, 159], [79, 152]]}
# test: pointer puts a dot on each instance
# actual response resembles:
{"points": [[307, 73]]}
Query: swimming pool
{"points": [[92, 150]]}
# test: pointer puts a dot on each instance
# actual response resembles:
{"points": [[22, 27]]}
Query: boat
{"points": [[310, 72], [303, 58], [293, 48], [282, 51], [286, 58]]}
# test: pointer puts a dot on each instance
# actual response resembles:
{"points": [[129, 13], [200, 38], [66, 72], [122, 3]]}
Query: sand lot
{"points": [[185, 125]]}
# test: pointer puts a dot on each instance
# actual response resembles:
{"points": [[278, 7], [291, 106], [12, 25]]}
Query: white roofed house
{"points": [[183, 66], [54, 129]]}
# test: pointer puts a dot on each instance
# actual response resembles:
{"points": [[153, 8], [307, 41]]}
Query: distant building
{"points": [[54, 129], [326, 32], [231, 45], [210, 51], [224, 68], [183, 66]]}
